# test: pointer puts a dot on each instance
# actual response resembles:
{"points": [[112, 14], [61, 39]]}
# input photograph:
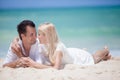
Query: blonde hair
{"points": [[49, 31]]}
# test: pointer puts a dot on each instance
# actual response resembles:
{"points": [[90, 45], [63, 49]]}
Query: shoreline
{"points": [[105, 70]]}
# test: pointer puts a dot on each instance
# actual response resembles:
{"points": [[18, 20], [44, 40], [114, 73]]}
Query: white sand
{"points": [[106, 70]]}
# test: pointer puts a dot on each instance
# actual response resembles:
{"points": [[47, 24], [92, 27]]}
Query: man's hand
{"points": [[17, 63], [20, 62], [28, 62], [16, 48]]}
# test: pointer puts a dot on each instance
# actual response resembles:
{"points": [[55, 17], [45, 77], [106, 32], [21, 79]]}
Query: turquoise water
{"points": [[90, 28]]}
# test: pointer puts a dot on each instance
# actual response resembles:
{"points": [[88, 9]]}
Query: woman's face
{"points": [[42, 37]]}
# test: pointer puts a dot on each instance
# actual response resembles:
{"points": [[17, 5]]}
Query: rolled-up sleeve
{"points": [[10, 56]]}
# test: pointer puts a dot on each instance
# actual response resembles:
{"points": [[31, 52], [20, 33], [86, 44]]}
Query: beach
{"points": [[105, 70]]}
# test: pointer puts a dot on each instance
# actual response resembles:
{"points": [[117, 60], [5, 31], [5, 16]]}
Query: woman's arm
{"points": [[58, 59]]}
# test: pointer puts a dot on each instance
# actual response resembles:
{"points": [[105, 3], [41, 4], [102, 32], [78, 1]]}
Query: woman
{"points": [[58, 54]]}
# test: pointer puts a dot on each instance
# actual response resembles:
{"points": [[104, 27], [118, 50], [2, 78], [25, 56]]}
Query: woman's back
{"points": [[74, 55]]}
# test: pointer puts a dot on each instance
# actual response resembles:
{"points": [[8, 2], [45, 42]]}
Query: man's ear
{"points": [[22, 35]]}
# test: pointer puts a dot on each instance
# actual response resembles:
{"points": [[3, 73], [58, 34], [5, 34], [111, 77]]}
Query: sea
{"points": [[91, 28]]}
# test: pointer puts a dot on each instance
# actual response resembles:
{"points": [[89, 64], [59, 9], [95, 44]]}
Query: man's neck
{"points": [[26, 47]]}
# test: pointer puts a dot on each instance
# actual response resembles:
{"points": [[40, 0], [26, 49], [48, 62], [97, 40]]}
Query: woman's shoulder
{"points": [[60, 46]]}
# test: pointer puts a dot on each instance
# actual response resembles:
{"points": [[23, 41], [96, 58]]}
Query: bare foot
{"points": [[108, 55]]}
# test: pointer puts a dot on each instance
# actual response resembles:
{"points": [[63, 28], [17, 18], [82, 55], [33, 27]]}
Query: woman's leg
{"points": [[101, 55]]}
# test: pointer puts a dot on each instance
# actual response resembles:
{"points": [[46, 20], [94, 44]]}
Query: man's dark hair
{"points": [[21, 28]]}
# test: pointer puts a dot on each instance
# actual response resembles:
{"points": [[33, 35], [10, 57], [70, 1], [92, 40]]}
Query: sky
{"points": [[10, 4]]}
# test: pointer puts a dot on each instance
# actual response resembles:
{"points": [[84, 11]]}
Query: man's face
{"points": [[30, 35]]}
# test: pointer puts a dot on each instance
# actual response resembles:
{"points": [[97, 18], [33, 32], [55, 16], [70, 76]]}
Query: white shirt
{"points": [[35, 53]]}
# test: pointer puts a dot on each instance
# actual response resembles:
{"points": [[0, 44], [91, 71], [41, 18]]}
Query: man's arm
{"points": [[11, 59], [16, 49], [17, 63], [11, 64]]}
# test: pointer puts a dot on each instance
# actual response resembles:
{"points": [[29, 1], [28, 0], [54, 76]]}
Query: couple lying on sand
{"points": [[46, 50]]}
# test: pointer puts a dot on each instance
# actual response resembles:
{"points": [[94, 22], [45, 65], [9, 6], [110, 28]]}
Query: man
{"points": [[28, 47]]}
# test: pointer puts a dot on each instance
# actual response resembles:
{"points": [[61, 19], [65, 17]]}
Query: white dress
{"points": [[74, 55]]}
